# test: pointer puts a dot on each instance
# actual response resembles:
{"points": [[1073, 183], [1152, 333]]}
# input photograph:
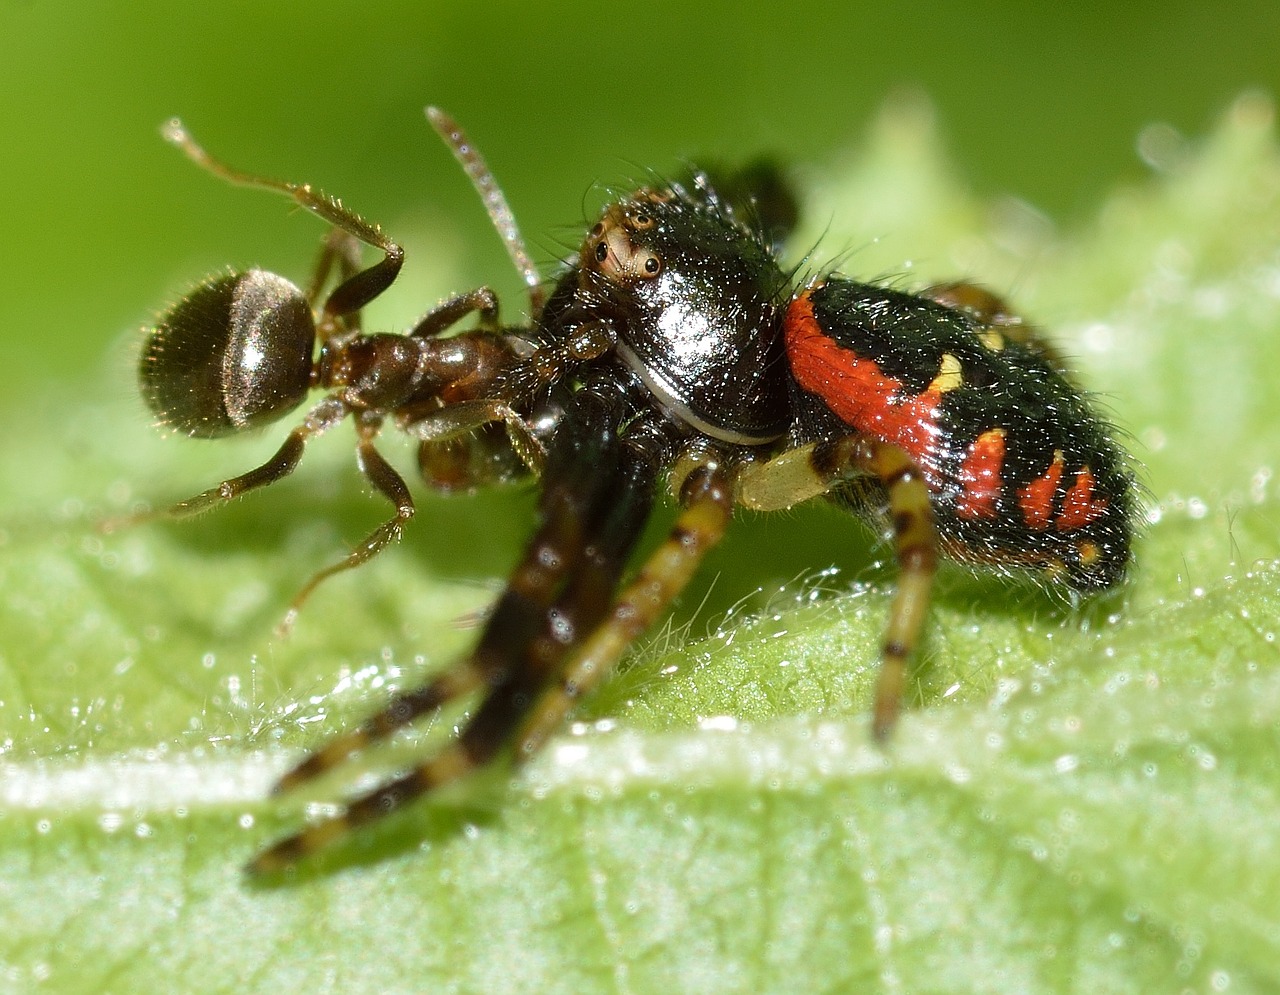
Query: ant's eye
{"points": [[602, 252], [652, 266]]}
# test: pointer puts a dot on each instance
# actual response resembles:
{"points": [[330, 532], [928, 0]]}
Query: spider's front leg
{"points": [[702, 480], [598, 489], [819, 467]]}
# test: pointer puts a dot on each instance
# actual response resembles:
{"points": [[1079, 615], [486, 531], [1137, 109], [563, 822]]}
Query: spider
{"points": [[672, 347]]}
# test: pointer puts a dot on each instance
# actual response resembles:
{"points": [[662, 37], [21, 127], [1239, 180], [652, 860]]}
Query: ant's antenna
{"points": [[495, 203]]}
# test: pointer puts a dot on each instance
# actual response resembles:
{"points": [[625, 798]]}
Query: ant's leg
{"points": [[356, 290], [342, 248], [453, 310], [387, 482], [454, 422], [706, 499], [815, 469], [339, 247], [320, 419], [594, 506]]}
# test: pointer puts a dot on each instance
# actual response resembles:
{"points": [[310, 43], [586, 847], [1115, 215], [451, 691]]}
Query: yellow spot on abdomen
{"points": [[949, 375]]}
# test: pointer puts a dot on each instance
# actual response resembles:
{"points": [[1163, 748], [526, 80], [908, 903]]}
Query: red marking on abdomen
{"points": [[860, 394], [980, 476], [1036, 499], [1079, 506]]}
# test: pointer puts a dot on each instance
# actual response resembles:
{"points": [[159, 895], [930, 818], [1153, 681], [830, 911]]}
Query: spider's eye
{"points": [[642, 221], [652, 266], [602, 252]]}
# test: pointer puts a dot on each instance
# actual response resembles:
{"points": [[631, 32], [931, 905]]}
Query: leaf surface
{"points": [[1075, 801]]}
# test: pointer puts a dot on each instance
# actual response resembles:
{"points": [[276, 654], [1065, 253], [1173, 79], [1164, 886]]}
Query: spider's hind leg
{"points": [[997, 321]]}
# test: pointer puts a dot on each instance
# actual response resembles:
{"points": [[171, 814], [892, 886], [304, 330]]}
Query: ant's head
{"points": [[234, 354]]}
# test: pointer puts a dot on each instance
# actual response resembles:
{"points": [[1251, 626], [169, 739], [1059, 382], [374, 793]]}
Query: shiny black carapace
{"points": [[672, 347]]}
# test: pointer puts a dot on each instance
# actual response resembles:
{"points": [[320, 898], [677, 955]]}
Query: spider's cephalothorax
{"points": [[673, 346]]}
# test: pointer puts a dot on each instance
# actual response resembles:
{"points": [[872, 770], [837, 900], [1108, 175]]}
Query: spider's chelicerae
{"points": [[673, 348]]}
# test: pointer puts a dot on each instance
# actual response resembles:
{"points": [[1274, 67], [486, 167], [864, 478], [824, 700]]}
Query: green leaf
{"points": [[1077, 800]]}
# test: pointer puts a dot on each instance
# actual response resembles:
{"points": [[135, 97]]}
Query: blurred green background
{"points": [[104, 222]]}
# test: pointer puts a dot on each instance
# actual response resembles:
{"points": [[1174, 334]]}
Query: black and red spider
{"points": [[673, 346]]}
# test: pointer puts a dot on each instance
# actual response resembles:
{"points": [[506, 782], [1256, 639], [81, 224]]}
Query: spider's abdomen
{"points": [[1021, 471]]}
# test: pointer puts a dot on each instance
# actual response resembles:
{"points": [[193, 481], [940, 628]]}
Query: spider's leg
{"points": [[996, 320], [597, 497], [817, 468], [552, 555], [705, 496]]}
